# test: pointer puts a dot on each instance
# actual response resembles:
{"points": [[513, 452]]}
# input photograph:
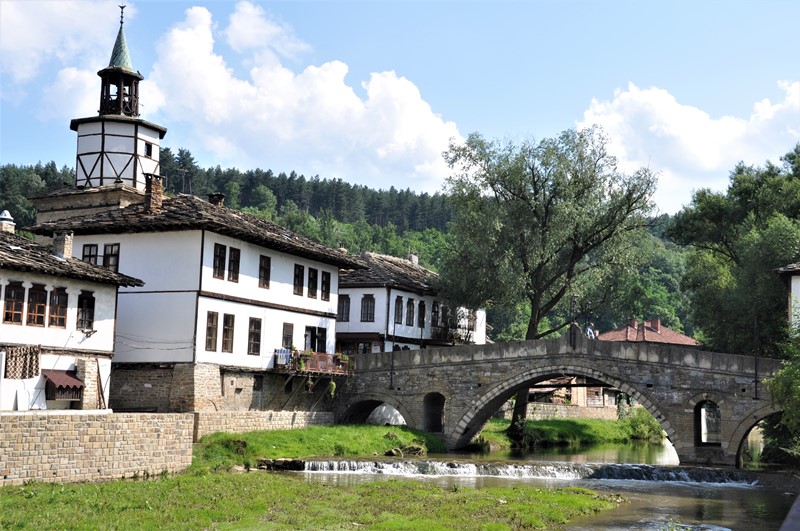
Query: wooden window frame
{"points": [[368, 308], [421, 314], [234, 258], [410, 312], [212, 327], [299, 277], [228, 328], [37, 306], [220, 255], [325, 288], [90, 253], [288, 335], [111, 256], [264, 271], [86, 306], [254, 337], [57, 313], [398, 310], [313, 282], [343, 309], [14, 306]]}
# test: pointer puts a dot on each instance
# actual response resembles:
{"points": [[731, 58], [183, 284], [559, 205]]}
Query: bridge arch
{"points": [[482, 409], [357, 410], [739, 436]]}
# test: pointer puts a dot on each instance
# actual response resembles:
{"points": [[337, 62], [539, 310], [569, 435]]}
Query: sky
{"points": [[373, 92]]}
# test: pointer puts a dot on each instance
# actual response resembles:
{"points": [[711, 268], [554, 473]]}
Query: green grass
{"points": [[640, 426], [263, 500], [224, 450]]}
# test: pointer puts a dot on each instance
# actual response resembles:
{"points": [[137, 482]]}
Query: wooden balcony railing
{"points": [[312, 363]]}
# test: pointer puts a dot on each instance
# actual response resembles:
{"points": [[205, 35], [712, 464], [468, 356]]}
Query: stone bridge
{"points": [[454, 391]]}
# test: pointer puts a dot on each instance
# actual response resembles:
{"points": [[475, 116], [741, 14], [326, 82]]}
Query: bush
{"points": [[644, 426]]}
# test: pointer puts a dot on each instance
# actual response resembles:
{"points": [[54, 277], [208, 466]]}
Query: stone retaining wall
{"points": [[542, 411], [77, 446], [244, 421]]}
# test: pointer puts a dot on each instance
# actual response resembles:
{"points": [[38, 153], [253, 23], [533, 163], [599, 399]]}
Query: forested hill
{"points": [[344, 202]]}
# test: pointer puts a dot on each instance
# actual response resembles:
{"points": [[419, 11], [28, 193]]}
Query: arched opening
{"points": [[433, 412], [707, 421], [372, 412]]}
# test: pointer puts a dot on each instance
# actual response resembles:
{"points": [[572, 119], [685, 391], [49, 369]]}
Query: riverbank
{"points": [[210, 495]]}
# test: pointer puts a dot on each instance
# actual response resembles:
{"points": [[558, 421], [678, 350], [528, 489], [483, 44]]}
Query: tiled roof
{"points": [[187, 212], [648, 332], [383, 270], [20, 254], [791, 269]]}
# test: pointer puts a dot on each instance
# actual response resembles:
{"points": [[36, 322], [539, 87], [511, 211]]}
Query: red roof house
{"points": [[651, 331]]}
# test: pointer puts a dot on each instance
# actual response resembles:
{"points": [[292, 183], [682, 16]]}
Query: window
{"points": [[233, 264], [148, 149], [58, 307], [254, 337], [288, 335], [312, 282], [421, 314], [398, 310], [435, 314], [37, 305], [219, 260], [212, 320], [344, 309], [298, 279], [326, 286], [316, 338], [410, 312], [367, 309], [111, 256], [264, 267], [90, 253], [85, 310], [227, 332], [15, 299]]}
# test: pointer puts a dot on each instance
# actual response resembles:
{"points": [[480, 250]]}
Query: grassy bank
{"points": [[210, 496], [640, 426]]}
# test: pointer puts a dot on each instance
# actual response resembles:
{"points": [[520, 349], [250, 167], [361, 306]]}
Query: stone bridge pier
{"points": [[706, 402]]}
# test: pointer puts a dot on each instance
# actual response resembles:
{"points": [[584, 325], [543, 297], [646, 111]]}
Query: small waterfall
{"points": [[565, 471]]}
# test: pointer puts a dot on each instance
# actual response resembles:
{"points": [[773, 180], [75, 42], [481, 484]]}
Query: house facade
{"points": [[225, 291], [57, 328], [790, 274], [393, 304]]}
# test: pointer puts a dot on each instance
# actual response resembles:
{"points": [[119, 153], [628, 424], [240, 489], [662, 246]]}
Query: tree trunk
{"points": [[516, 431]]}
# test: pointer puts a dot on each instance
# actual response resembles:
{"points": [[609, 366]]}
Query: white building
{"points": [[791, 276], [393, 304], [57, 327]]}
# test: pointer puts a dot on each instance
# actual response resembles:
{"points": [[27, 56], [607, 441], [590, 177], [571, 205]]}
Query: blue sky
{"points": [[372, 92]]}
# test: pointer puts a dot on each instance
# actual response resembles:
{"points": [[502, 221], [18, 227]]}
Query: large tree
{"points": [[737, 239], [530, 220]]}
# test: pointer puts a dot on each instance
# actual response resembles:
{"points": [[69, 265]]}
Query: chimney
{"points": [[414, 259], [153, 193], [655, 324], [634, 324], [7, 222], [62, 244], [216, 199]]}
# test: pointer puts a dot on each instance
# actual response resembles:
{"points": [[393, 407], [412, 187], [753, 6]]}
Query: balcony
{"points": [[312, 363]]}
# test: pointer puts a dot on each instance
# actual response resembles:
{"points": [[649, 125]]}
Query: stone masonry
{"points": [[456, 390]]}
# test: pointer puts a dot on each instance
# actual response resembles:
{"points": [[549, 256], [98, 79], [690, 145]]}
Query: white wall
{"points": [[69, 337], [355, 325], [155, 327]]}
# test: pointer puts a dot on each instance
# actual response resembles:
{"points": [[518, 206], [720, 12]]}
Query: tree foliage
{"points": [[738, 238], [530, 220]]}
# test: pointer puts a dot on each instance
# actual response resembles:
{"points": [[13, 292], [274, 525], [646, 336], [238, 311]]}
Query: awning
{"points": [[62, 379]]}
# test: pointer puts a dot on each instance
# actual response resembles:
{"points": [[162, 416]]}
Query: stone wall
{"points": [[244, 421], [140, 387], [542, 411], [76, 446]]}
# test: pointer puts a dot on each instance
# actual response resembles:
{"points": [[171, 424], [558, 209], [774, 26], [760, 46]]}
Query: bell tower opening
{"points": [[119, 90]]}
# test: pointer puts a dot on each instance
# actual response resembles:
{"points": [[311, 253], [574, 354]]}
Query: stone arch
{"points": [[357, 409], [433, 412], [753, 417], [471, 421]]}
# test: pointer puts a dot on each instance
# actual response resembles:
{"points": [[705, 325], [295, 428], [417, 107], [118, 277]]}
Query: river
{"points": [[662, 495]]}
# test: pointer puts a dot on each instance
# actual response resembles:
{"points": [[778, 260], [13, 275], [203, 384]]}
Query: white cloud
{"points": [[75, 93], [311, 121], [690, 148], [33, 33]]}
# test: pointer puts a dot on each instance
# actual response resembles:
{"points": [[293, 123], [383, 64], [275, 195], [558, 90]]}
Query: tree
{"points": [[530, 220], [737, 239]]}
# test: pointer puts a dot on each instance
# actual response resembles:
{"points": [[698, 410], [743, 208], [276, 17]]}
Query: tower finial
{"points": [[122, 14]]}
